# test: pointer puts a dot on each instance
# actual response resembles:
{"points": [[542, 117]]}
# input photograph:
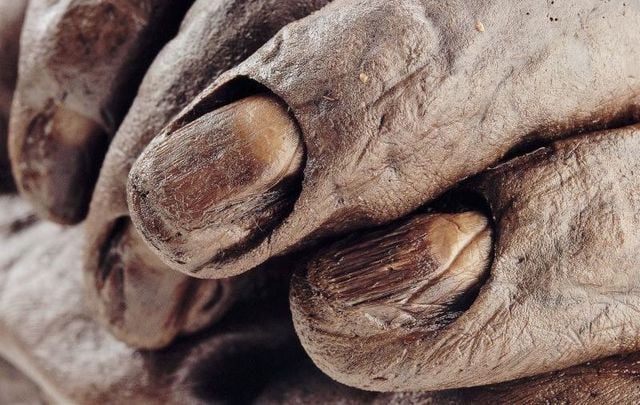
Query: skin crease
{"points": [[79, 67], [621, 104], [11, 17], [418, 99], [97, 368], [562, 288], [213, 37]]}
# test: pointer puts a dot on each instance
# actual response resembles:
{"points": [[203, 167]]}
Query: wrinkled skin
{"points": [[387, 137], [417, 99], [48, 332], [562, 286], [42, 313], [382, 138], [380, 144]]}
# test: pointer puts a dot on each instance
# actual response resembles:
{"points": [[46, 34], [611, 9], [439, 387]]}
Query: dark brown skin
{"points": [[398, 102], [562, 288], [11, 17], [80, 65], [214, 36], [48, 333]]}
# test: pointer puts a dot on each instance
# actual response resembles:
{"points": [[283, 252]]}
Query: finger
{"points": [[77, 75], [380, 290], [48, 332], [562, 286], [211, 366], [605, 381], [242, 359], [234, 171], [146, 304], [420, 272], [213, 37], [598, 382], [389, 125], [11, 16]]}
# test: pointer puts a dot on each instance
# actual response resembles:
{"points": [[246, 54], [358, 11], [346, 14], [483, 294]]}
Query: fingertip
{"points": [[218, 184], [56, 157], [366, 298]]}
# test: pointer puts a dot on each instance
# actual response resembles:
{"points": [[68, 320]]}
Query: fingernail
{"points": [[218, 185], [419, 273], [56, 163]]}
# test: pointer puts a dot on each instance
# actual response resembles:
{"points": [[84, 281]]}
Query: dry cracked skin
{"points": [[383, 138], [397, 103], [357, 116], [48, 333], [561, 284]]}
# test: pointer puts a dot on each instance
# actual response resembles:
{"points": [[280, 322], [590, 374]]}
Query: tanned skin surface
{"points": [[388, 137], [561, 285]]}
